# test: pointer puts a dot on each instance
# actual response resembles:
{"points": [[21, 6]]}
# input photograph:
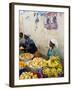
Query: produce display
{"points": [[36, 62], [28, 75], [22, 64], [27, 56], [54, 67], [53, 61], [41, 67]]}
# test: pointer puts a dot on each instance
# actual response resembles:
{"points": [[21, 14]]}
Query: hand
{"points": [[21, 48]]}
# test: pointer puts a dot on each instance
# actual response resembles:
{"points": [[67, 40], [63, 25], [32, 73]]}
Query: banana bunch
{"points": [[59, 69], [51, 72], [45, 63], [52, 67], [54, 72], [53, 61], [47, 71]]}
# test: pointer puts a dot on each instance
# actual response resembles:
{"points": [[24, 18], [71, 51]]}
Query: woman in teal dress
{"points": [[54, 50]]}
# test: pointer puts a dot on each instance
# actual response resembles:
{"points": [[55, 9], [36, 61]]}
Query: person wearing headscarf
{"points": [[27, 44], [54, 50]]}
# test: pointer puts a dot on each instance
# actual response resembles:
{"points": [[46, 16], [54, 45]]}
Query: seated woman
{"points": [[54, 50], [28, 46]]}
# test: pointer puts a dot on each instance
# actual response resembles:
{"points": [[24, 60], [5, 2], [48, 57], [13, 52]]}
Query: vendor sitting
{"points": [[27, 44], [54, 50]]}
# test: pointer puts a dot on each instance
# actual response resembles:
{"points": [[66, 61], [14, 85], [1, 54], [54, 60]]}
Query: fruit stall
{"points": [[32, 67]]}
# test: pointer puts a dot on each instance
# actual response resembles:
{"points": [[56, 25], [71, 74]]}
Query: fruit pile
{"points": [[36, 63], [53, 68], [28, 75], [25, 56], [22, 64], [41, 68]]}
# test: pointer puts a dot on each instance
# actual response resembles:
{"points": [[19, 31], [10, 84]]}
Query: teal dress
{"points": [[49, 53], [55, 52]]}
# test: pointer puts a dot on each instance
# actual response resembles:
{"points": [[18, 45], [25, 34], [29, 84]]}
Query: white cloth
{"points": [[54, 41]]}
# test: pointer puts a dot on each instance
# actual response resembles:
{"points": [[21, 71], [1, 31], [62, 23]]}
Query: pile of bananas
{"points": [[54, 61], [53, 68], [28, 75]]}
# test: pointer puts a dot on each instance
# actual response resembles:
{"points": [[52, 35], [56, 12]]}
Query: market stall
{"points": [[31, 66]]}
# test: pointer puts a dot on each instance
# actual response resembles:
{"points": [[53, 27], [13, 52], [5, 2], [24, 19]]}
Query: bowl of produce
{"points": [[26, 56]]}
